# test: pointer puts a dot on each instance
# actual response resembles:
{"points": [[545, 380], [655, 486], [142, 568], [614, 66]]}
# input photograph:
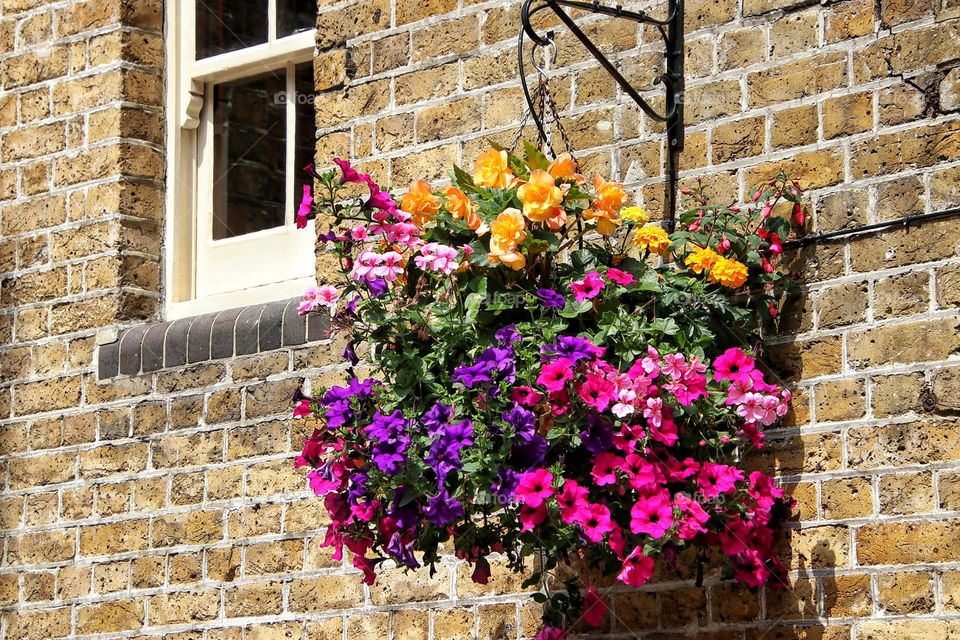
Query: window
{"points": [[240, 131]]}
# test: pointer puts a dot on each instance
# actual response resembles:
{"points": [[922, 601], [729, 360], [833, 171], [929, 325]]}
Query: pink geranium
{"points": [[589, 287], [652, 515], [313, 297], [535, 487]]}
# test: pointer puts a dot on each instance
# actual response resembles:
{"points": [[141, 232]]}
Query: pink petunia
{"points": [[716, 479], [572, 499], [530, 517], [652, 515], [589, 287], [535, 487], [306, 207], [349, 173], [303, 410], [636, 569], [733, 364], [526, 396], [594, 607], [595, 522], [554, 376], [551, 633], [646, 478], [605, 468], [693, 518], [597, 392], [620, 277]]}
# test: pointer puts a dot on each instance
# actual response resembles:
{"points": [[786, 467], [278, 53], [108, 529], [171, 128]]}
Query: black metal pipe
{"points": [[904, 222]]}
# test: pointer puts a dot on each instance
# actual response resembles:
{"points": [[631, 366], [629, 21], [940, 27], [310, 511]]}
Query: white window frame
{"points": [[202, 274]]}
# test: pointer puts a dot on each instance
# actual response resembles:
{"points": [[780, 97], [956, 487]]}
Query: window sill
{"points": [[213, 336]]}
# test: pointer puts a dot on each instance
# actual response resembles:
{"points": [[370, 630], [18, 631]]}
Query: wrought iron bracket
{"points": [[670, 30]]}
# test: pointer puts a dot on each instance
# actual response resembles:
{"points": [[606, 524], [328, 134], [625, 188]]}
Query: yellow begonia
{"points": [[653, 239], [540, 195], [701, 259], [506, 234], [635, 215], [728, 272], [564, 167], [492, 169]]}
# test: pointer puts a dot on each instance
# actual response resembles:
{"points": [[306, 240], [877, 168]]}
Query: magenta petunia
{"points": [[652, 515], [535, 487], [554, 375], [733, 364], [589, 287]]}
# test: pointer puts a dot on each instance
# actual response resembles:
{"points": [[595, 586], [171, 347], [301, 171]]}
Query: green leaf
{"points": [[574, 309], [464, 181], [534, 157]]}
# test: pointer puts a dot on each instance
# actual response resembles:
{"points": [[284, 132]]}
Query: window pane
{"points": [[228, 25], [306, 139], [249, 153], [295, 15]]}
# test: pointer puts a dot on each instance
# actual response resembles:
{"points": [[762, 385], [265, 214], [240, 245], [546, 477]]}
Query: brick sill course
{"points": [[224, 334]]}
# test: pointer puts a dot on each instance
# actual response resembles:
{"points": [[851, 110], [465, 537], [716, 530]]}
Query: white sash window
{"points": [[240, 131]]}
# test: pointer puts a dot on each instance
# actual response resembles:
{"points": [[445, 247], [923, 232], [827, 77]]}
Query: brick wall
{"points": [[165, 503]]}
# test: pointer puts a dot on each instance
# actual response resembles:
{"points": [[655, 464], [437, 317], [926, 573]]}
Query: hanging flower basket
{"points": [[555, 377]]}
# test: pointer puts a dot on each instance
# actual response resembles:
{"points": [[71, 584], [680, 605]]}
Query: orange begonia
{"points": [[564, 167], [492, 169], [463, 208], [506, 234], [420, 203], [540, 196], [606, 206]]}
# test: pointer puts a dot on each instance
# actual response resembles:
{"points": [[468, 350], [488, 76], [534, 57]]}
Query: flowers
{"points": [[541, 387], [588, 287], [729, 273], [541, 199], [652, 239], [437, 257], [313, 297], [606, 206], [635, 215], [420, 203], [492, 169], [506, 234]]}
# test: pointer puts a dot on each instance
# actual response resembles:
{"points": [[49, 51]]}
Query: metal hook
{"points": [[552, 46]]}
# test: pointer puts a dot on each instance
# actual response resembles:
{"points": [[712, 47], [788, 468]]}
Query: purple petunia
{"points": [[436, 418], [573, 349], [402, 553], [442, 509], [551, 299], [508, 335], [506, 484], [598, 436]]}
